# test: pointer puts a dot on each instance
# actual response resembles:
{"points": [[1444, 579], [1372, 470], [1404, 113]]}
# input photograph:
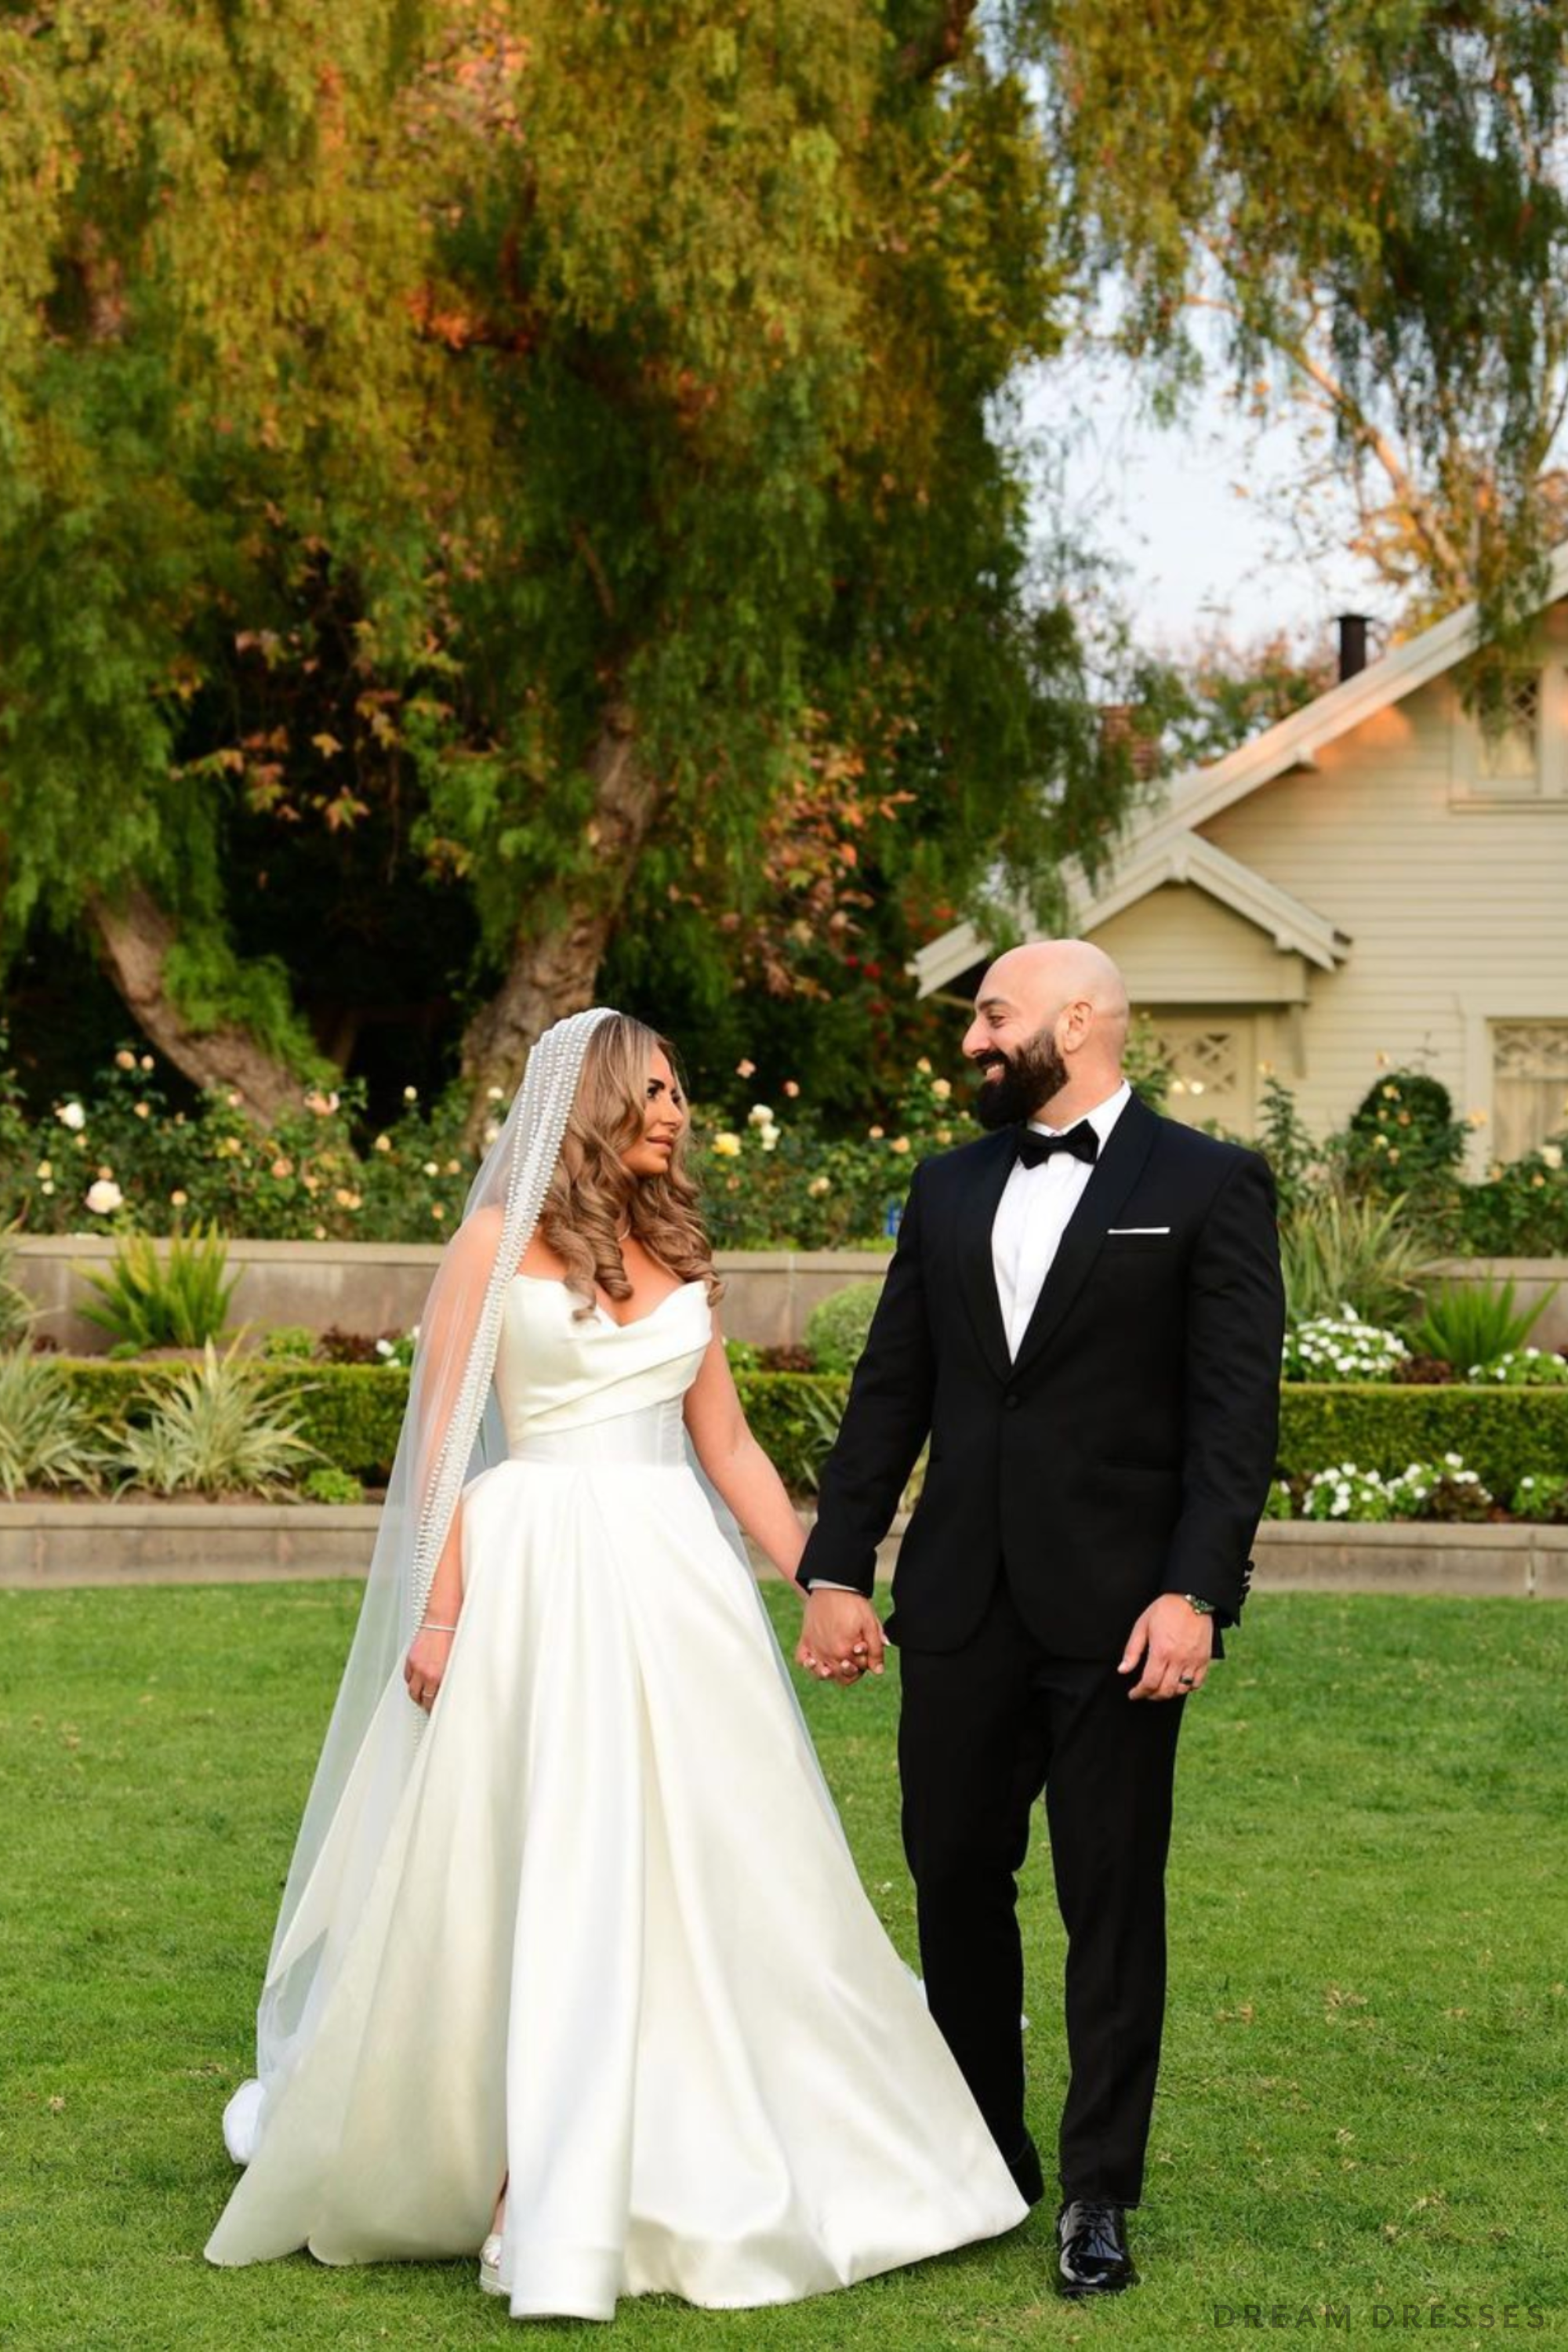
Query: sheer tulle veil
{"points": [[451, 1432]]}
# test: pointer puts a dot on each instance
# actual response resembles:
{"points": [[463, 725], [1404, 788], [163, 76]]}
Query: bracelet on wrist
{"points": [[429, 1627]]}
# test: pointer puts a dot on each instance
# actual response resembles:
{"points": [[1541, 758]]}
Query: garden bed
{"points": [[353, 1413]]}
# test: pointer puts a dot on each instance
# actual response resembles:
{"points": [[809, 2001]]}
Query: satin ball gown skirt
{"points": [[617, 1946]]}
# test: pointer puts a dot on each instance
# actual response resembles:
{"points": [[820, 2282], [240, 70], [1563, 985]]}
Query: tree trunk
{"points": [[554, 971], [133, 940]]}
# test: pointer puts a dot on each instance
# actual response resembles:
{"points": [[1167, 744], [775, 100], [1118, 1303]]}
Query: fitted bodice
{"points": [[556, 1374]]}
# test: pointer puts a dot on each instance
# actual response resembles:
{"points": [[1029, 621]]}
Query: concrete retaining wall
{"points": [[50, 1544], [375, 1286]]}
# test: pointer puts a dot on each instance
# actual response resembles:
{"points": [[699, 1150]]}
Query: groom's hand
{"points": [[1176, 1646], [841, 1638]]}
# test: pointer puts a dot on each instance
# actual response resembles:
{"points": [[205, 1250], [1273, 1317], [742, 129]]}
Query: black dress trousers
{"points": [[983, 1729]]}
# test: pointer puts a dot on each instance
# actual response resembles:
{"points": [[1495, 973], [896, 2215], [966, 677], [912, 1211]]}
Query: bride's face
{"points": [[664, 1116]]}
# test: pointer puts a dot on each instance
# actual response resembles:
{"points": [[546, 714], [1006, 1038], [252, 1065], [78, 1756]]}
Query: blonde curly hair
{"points": [[592, 1195]]}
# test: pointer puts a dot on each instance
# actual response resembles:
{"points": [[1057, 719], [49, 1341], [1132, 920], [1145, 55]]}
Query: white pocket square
{"points": [[1136, 1229]]}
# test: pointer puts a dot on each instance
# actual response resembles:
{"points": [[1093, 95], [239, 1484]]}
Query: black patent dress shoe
{"points": [[1093, 2259], [1024, 2167]]}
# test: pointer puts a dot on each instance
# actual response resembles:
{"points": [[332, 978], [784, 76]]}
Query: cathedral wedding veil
{"points": [[451, 1430]]}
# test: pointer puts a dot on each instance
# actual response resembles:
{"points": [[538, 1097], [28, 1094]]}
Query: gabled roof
{"points": [[1186, 856], [1167, 848], [1200, 793], [1180, 857]]}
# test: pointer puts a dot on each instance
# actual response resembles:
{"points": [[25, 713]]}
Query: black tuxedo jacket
{"points": [[1127, 1449]]}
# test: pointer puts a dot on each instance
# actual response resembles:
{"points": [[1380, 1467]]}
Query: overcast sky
{"points": [[1186, 509]]}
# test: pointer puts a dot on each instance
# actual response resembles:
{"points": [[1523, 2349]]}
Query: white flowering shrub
{"points": [[1445, 1489], [1542, 1494], [1523, 1368], [1346, 1493], [1341, 1347]]}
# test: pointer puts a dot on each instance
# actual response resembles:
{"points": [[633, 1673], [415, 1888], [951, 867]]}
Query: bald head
{"points": [[1064, 1000], [1047, 975]]}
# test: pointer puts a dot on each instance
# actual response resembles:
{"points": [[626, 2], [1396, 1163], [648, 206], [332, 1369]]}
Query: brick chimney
{"points": [[1352, 628], [1120, 730]]}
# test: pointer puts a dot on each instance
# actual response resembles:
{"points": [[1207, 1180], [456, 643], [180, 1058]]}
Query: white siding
{"points": [[1180, 945], [1457, 914]]}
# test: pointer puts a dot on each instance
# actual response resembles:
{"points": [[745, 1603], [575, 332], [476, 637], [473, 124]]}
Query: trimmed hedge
{"points": [[352, 1412], [1502, 1434], [356, 1410]]}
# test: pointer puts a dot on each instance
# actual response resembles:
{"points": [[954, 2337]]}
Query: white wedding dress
{"points": [[616, 1944]]}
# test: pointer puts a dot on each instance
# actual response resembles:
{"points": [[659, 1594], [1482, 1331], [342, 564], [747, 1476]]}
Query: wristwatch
{"points": [[1204, 1608]]}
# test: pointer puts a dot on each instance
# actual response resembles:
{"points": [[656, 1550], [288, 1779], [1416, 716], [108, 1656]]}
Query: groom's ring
{"points": [[1187, 1681]]}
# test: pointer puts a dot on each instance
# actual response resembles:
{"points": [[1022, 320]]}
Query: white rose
{"points": [[71, 1115], [105, 1196]]}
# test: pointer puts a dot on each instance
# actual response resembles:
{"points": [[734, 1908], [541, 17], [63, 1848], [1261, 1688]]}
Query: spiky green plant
{"points": [[176, 1301], [1474, 1323], [46, 1438], [215, 1429], [1338, 1250], [17, 1309]]}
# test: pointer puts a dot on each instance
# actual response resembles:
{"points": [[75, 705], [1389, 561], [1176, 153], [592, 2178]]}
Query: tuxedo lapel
{"points": [[977, 1271], [1115, 1172]]}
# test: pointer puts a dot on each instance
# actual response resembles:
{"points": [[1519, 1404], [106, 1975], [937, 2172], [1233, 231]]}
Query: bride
{"points": [[570, 1902]]}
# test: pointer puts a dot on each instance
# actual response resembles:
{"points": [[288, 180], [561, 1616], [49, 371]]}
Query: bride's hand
{"points": [[425, 1665]]}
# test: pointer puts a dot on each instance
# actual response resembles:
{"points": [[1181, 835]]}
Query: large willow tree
{"points": [[571, 426], [1370, 198]]}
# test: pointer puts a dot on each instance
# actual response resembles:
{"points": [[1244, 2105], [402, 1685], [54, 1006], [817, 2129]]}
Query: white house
{"points": [[1374, 882]]}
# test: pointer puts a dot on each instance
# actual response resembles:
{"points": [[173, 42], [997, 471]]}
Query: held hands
{"points": [[1179, 1643], [841, 1639], [425, 1663]]}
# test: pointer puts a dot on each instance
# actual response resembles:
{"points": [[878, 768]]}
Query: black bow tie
{"points": [[1035, 1148]]}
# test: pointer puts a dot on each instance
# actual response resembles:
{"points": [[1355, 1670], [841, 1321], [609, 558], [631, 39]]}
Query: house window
{"points": [[1530, 1085], [1212, 1060], [1508, 753], [1520, 759]]}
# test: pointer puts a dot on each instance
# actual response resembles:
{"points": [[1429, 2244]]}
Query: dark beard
{"points": [[1029, 1077]]}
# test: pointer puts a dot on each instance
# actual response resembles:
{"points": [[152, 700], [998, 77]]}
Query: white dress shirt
{"points": [[1031, 1218], [1033, 1214]]}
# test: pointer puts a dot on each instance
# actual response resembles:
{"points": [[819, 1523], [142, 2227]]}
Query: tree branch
{"points": [[938, 45], [1371, 440]]}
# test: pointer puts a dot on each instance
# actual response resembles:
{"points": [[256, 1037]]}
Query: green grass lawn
{"points": [[1362, 2108]]}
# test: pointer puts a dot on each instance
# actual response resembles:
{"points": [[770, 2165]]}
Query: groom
{"points": [[1084, 1313]]}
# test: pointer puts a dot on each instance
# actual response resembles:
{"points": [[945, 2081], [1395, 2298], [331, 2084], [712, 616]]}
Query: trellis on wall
{"points": [[1530, 1085], [1213, 1065]]}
